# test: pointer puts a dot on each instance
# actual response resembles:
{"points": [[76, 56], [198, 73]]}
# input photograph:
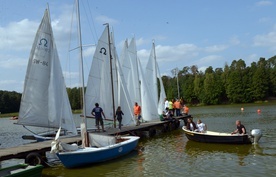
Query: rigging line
{"points": [[92, 22], [84, 9], [69, 46]]}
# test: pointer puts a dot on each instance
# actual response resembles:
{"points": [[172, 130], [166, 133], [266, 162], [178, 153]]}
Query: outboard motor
{"points": [[256, 135]]}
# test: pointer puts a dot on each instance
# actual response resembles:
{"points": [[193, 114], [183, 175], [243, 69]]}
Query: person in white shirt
{"points": [[201, 127], [166, 103]]}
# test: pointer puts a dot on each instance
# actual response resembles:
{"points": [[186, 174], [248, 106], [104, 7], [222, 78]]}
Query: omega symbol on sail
{"points": [[43, 42], [103, 50]]}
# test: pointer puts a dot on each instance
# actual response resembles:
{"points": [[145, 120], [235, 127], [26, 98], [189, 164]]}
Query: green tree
{"points": [[272, 76], [198, 88], [260, 81], [235, 84]]}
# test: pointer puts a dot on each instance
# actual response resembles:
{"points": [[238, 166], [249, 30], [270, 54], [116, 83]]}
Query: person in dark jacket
{"points": [[240, 128], [119, 115], [190, 125]]}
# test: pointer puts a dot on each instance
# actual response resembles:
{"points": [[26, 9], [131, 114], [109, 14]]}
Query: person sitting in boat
{"points": [[190, 125], [240, 128], [201, 127], [98, 112]]}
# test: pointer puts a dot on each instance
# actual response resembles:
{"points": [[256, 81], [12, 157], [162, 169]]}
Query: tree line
{"points": [[236, 83]]}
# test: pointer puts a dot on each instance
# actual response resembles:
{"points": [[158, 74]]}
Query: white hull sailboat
{"points": [[44, 101]]}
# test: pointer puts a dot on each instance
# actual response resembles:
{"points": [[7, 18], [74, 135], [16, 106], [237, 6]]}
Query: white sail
{"points": [[162, 96], [121, 93], [98, 88], [149, 107], [124, 99], [151, 75], [44, 101], [131, 73]]}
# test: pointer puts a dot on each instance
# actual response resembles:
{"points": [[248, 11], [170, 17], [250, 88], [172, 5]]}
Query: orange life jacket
{"points": [[137, 110]]}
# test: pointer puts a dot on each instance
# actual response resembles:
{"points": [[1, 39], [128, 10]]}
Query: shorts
{"points": [[99, 119]]}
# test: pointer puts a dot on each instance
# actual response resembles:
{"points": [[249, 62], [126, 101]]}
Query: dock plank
{"points": [[41, 147]]}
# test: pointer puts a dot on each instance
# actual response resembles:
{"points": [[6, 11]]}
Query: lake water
{"points": [[172, 154]]}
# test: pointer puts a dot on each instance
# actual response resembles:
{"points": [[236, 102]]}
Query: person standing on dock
{"points": [[171, 105], [185, 110], [166, 103], [177, 107], [119, 114], [137, 113], [98, 112]]}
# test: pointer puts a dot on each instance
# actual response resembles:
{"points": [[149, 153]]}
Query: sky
{"points": [[202, 33]]}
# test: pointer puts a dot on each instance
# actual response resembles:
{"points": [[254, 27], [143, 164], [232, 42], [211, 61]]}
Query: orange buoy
{"points": [[258, 111], [242, 109]]}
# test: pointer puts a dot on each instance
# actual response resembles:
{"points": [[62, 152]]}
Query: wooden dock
{"points": [[41, 148]]}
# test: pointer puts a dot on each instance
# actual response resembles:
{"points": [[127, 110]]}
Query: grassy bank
{"points": [[79, 111], [9, 114]]}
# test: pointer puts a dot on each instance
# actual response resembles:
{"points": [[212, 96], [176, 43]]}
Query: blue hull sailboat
{"points": [[96, 147], [95, 154]]}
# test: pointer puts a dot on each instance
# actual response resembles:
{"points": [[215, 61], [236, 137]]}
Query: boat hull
{"points": [[90, 155], [22, 170], [216, 137]]}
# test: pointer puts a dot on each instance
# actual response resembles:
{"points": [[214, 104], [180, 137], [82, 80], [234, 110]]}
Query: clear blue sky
{"points": [[186, 33]]}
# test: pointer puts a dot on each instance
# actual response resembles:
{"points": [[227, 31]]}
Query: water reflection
{"points": [[196, 149]]}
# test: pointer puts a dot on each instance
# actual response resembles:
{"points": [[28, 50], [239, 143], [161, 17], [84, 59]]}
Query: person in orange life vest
{"points": [[177, 107], [137, 113], [185, 110]]}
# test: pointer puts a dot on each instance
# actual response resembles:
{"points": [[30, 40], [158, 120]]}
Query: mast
{"points": [[81, 62], [155, 70], [111, 74], [84, 121]]}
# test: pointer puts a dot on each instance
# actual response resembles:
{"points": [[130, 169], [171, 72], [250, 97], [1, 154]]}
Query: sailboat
{"points": [[102, 147], [153, 76], [150, 113], [44, 101]]}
